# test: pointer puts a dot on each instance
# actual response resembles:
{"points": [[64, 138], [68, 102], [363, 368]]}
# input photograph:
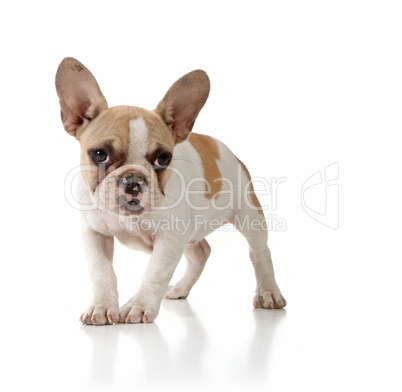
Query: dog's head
{"points": [[125, 150]]}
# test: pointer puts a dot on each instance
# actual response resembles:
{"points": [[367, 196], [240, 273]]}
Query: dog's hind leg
{"points": [[197, 255], [249, 220]]}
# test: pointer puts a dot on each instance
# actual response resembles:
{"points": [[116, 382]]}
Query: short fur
{"points": [[140, 166]]}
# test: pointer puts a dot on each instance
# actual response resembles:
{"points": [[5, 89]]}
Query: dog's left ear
{"points": [[180, 106]]}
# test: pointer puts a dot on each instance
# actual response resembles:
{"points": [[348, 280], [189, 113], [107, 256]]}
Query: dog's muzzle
{"points": [[132, 186]]}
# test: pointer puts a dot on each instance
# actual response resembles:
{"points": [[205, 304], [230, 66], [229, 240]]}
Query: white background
{"points": [[294, 89]]}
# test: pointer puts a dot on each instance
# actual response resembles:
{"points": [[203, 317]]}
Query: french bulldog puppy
{"points": [[156, 187]]}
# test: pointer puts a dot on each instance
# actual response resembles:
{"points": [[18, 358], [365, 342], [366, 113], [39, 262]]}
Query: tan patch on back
{"points": [[208, 150], [252, 194]]}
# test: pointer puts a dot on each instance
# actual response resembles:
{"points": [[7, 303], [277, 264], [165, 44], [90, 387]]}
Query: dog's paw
{"points": [[177, 293], [137, 310], [101, 313], [269, 299]]}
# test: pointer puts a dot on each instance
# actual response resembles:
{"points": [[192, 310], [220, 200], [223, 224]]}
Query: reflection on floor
{"points": [[185, 348]]}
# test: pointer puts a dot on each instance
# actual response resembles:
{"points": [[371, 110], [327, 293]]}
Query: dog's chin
{"points": [[131, 208]]}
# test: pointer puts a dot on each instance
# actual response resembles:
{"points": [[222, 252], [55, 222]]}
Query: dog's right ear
{"points": [[81, 99]]}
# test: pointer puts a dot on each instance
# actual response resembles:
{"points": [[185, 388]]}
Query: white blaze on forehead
{"points": [[138, 146]]}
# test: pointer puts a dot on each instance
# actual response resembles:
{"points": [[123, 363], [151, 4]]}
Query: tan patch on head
{"points": [[208, 150], [252, 194], [111, 130], [159, 133], [159, 137]]}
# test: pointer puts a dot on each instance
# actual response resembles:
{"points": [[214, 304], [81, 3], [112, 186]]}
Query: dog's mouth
{"points": [[130, 203]]}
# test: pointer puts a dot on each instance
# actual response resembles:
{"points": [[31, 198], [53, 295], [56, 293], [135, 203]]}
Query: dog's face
{"points": [[125, 155], [126, 151]]}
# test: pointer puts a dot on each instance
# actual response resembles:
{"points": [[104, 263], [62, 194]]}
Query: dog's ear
{"points": [[81, 99], [180, 106]]}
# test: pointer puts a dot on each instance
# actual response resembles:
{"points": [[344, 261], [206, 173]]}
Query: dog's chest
{"points": [[125, 232], [138, 241]]}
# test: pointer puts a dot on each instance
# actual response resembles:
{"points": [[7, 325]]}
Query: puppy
{"points": [[156, 187]]}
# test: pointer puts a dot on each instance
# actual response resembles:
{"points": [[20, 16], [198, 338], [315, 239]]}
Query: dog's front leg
{"points": [[144, 306], [104, 306]]}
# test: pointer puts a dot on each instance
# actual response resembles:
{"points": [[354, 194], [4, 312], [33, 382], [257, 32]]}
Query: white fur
{"points": [[138, 140]]}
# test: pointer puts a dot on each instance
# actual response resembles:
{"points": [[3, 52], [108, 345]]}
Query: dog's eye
{"points": [[163, 160], [100, 156]]}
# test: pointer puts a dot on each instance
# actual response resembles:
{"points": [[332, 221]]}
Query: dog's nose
{"points": [[133, 183]]}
